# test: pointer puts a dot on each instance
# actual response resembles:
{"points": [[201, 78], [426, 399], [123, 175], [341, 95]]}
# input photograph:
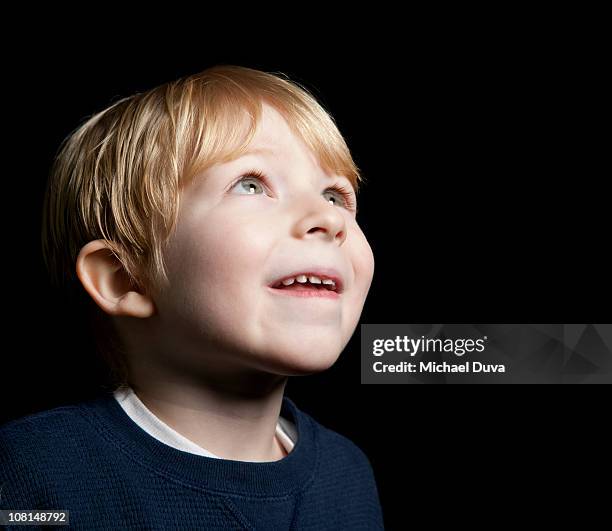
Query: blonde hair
{"points": [[118, 176]]}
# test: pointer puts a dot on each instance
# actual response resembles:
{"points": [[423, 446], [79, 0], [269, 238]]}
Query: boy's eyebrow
{"points": [[272, 151]]}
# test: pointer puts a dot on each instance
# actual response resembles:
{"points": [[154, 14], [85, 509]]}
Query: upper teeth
{"points": [[302, 279]]}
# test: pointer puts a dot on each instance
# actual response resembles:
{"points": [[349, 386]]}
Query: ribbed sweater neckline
{"points": [[256, 479]]}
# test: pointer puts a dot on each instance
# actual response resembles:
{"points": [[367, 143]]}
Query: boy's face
{"points": [[230, 245]]}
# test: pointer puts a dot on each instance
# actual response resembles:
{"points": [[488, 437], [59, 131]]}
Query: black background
{"points": [[486, 155]]}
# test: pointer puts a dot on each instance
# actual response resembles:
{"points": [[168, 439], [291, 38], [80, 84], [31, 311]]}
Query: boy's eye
{"points": [[247, 184], [346, 197], [253, 179]]}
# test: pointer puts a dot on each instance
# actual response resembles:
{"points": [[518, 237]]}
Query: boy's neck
{"points": [[236, 428]]}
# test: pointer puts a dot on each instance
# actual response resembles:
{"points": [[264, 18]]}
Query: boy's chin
{"points": [[302, 364]]}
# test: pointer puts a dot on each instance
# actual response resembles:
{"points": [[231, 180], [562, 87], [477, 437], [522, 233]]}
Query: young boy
{"points": [[211, 224]]}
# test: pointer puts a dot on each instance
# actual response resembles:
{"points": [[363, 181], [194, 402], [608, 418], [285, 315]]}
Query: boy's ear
{"points": [[108, 283]]}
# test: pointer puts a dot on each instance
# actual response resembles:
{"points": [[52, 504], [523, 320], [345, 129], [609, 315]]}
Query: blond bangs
{"points": [[220, 106]]}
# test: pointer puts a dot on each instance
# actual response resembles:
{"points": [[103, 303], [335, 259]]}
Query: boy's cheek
{"points": [[363, 259]]}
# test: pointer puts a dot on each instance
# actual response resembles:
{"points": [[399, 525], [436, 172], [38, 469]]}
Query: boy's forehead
{"points": [[273, 134], [274, 140], [271, 121], [261, 150]]}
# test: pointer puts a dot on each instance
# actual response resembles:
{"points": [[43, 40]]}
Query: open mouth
{"points": [[309, 286], [309, 280]]}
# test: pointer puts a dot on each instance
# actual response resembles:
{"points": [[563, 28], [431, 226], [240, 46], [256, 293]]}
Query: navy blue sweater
{"points": [[92, 459]]}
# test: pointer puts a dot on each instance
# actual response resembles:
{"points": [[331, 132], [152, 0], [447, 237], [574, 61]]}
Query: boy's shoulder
{"points": [[337, 446], [40, 422], [33, 448], [40, 432], [344, 467]]}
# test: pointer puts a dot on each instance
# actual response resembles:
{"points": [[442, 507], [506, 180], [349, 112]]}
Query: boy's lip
{"points": [[320, 272]]}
